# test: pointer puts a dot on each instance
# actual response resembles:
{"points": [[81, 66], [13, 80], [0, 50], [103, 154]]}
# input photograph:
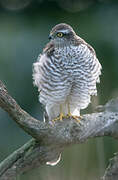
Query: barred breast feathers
{"points": [[52, 85], [47, 76], [82, 41], [95, 68], [48, 50]]}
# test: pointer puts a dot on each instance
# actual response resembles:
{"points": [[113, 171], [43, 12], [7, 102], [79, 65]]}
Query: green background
{"points": [[24, 29]]}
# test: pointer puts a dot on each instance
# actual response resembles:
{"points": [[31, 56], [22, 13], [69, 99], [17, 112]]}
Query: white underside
{"points": [[53, 110]]}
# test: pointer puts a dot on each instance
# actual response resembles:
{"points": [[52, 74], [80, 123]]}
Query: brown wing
{"points": [[81, 41], [49, 48]]}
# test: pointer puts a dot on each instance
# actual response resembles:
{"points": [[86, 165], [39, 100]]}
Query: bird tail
{"points": [[45, 116]]}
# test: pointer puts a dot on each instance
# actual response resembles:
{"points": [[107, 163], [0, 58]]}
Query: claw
{"points": [[77, 118], [59, 118], [69, 115]]}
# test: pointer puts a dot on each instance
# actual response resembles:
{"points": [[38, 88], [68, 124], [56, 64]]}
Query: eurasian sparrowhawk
{"points": [[66, 73]]}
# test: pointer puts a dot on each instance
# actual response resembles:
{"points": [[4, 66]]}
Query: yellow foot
{"points": [[77, 118], [60, 118]]}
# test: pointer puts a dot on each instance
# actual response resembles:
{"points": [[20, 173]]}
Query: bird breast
{"points": [[71, 71], [73, 59]]}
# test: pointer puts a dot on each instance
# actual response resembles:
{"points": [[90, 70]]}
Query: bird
{"points": [[66, 74]]}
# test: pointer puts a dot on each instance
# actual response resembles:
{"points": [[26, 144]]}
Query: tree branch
{"points": [[51, 139], [112, 170]]}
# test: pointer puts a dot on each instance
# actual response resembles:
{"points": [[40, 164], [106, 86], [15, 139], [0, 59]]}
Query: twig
{"points": [[111, 172]]}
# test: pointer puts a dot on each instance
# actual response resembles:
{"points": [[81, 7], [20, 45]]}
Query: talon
{"points": [[60, 118], [56, 119], [69, 115], [77, 118]]}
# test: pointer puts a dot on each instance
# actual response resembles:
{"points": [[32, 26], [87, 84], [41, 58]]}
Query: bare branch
{"points": [[51, 139], [112, 170], [29, 156]]}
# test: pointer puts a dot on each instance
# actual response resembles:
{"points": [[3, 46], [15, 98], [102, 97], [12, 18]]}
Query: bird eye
{"points": [[59, 34]]}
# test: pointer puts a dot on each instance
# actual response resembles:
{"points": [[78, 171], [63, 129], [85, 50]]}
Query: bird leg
{"points": [[77, 118], [61, 116], [61, 113]]}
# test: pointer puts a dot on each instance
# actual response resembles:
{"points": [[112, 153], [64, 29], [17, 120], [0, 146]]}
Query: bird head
{"points": [[62, 34]]}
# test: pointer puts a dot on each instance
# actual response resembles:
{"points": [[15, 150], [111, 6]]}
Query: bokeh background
{"points": [[24, 29]]}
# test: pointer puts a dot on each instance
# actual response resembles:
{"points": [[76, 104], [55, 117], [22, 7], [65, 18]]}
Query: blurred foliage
{"points": [[68, 5], [24, 29]]}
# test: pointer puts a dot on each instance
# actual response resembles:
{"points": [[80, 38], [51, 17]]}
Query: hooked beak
{"points": [[50, 37]]}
